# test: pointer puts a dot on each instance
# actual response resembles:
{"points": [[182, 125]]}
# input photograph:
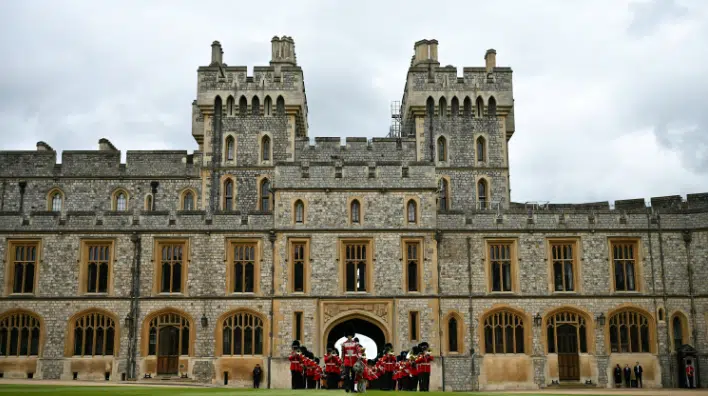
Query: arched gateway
{"points": [[361, 326], [371, 319]]}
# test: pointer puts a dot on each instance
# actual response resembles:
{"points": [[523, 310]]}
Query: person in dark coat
{"points": [[618, 376], [638, 370], [257, 375], [627, 376]]}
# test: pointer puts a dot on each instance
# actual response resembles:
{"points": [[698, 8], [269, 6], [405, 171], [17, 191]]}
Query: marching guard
{"points": [[295, 358], [350, 354], [423, 364]]}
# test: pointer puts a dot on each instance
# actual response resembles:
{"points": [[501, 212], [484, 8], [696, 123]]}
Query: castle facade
{"points": [[201, 265]]}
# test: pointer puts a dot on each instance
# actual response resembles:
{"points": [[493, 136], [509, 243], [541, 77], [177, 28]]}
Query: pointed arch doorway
{"points": [[363, 325], [567, 336]]}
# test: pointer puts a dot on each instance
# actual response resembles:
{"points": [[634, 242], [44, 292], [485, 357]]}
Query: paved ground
{"points": [[641, 392]]}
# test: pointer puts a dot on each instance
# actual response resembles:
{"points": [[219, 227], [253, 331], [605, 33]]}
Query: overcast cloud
{"points": [[610, 95]]}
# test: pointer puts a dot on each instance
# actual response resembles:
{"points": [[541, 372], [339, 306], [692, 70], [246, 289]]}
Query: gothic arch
{"points": [[71, 325], [6, 322], [586, 316], [183, 196], [684, 328], [145, 329], [504, 308], [56, 193], [116, 200], [631, 308], [219, 331], [460, 328], [354, 315]]}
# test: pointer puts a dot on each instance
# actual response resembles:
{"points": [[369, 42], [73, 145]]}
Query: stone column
{"points": [[601, 354], [539, 357]]}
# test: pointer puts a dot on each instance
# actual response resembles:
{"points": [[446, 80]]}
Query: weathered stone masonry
{"points": [[251, 131]]}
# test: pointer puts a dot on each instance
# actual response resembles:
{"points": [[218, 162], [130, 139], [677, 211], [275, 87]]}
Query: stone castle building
{"points": [[202, 265]]}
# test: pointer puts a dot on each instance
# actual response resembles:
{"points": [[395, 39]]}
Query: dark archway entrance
{"points": [[360, 326]]}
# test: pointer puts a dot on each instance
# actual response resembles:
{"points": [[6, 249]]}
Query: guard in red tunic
{"points": [[388, 363], [350, 353], [423, 362], [296, 366], [337, 368]]}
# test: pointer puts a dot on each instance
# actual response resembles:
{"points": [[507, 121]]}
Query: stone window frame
{"points": [[229, 261], [343, 242], [149, 203], [294, 211], [255, 106], [581, 314], [445, 148], [454, 107], [350, 202], [114, 199], [271, 199], [158, 243], [261, 138], [145, 331], [225, 155], [685, 328], [488, 194], [467, 111], [661, 313], [526, 326], [491, 106], [71, 326], [416, 202], [414, 317], [219, 333], [50, 199], [291, 265], [42, 333], [267, 106], [295, 329], [485, 148], [448, 193], [222, 195], [460, 325], [183, 194], [420, 241], [514, 242], [651, 327], [10, 267], [479, 110], [243, 106], [638, 260], [230, 106], [576, 245], [85, 244]]}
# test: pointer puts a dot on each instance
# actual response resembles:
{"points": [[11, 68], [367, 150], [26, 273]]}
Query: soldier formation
{"points": [[354, 372]]}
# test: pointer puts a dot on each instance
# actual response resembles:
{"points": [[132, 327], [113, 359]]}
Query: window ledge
{"points": [[356, 292], [510, 293], [173, 294], [242, 293], [21, 295], [96, 294], [565, 292]]}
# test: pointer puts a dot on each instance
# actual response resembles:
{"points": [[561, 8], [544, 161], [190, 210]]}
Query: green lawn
{"points": [[176, 390]]}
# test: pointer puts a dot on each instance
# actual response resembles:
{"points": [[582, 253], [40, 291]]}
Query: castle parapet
{"points": [[355, 149]]}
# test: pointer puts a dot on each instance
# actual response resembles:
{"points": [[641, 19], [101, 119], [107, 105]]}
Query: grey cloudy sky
{"points": [[610, 94]]}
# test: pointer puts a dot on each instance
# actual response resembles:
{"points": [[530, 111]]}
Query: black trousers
{"points": [[424, 382], [414, 383], [296, 379], [639, 380], [256, 383], [348, 379], [332, 379]]}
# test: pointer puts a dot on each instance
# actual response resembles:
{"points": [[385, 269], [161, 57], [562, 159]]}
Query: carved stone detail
{"points": [[380, 310]]}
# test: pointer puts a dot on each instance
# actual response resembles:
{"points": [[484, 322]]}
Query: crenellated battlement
{"points": [[668, 203], [355, 149], [102, 163]]}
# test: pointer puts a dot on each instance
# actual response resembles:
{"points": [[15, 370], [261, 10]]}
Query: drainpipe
{"points": [[132, 318], [664, 297], [471, 309], [438, 239], [272, 237], [687, 238]]}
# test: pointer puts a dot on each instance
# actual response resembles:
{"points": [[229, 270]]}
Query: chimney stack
{"points": [[105, 145], [491, 59], [217, 54], [425, 51], [41, 146]]}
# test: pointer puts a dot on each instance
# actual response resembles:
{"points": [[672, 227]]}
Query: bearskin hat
{"points": [[304, 350], [423, 345], [350, 331], [388, 347], [317, 360], [356, 339], [415, 350], [335, 351], [296, 343]]}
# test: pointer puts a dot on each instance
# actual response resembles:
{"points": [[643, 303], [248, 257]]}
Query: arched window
{"points": [[242, 334], [443, 195], [566, 329], [265, 148], [19, 334], [56, 201], [430, 107], [169, 333], [455, 107], [228, 195], [230, 105], [355, 212], [268, 106], [120, 201], [242, 106], [443, 107], [280, 106], [480, 107], [504, 333], [467, 104], [661, 314], [94, 334], [480, 149], [188, 201], [299, 212], [482, 194], [265, 195], [679, 331], [453, 334], [442, 149], [492, 107], [230, 148], [412, 211], [629, 332], [256, 106], [148, 203]]}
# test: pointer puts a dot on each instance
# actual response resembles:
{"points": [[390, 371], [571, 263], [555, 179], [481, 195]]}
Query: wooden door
{"points": [[168, 351], [568, 358]]}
